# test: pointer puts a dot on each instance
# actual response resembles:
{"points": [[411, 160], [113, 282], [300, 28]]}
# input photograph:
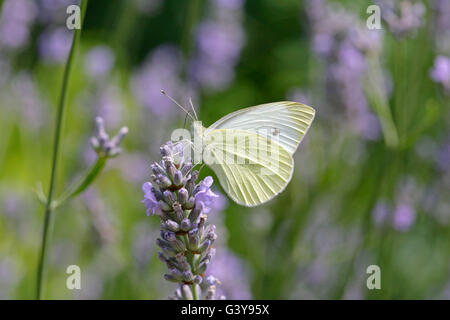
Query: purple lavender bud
{"points": [[202, 267], [178, 178], [211, 236], [174, 276], [204, 246], [156, 169], [186, 168], [211, 280], [190, 185], [170, 168], [158, 194], [202, 221], [185, 225], [163, 244], [101, 143], [195, 213], [182, 262], [191, 203], [170, 236], [194, 239], [164, 150], [162, 257], [176, 244], [188, 276], [169, 198], [164, 181], [198, 279], [186, 292], [172, 226], [164, 206], [178, 211], [183, 196]]}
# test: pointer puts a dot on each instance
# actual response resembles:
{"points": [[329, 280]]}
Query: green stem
{"points": [[83, 184], [48, 221], [194, 292], [191, 260]]}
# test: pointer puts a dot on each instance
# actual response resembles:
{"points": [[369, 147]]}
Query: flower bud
{"points": [[182, 196], [194, 214], [178, 212], [186, 292], [172, 225], [204, 246], [178, 178], [169, 197], [185, 225], [198, 279]]}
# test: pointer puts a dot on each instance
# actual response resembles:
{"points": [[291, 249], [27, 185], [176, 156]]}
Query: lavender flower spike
{"points": [[186, 238], [102, 144]]}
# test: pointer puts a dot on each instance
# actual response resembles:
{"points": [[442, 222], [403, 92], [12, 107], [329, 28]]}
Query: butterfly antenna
{"points": [[193, 109], [179, 105]]}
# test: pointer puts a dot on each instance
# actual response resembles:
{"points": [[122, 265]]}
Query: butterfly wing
{"points": [[284, 121], [251, 168]]}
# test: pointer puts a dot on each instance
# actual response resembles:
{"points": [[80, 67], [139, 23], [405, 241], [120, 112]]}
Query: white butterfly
{"points": [[234, 143]]}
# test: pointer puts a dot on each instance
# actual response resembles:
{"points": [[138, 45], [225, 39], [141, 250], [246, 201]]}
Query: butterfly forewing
{"points": [[286, 121]]}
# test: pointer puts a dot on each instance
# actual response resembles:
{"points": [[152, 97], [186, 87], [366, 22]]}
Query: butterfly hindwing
{"points": [[251, 168]]}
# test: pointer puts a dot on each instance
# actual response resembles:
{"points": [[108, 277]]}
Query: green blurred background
{"points": [[371, 183]]}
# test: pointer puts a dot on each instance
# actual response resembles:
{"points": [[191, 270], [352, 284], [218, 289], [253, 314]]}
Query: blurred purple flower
{"points": [[54, 11], [150, 201], [132, 160], [9, 274], [54, 45], [108, 104], [229, 4], [380, 213], [404, 216], [230, 270], [219, 43], [342, 42], [143, 244], [443, 156], [15, 22], [402, 17], [31, 104], [160, 71], [441, 71], [298, 95], [99, 61]]}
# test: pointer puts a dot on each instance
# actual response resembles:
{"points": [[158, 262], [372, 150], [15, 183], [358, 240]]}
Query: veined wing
{"points": [[251, 168], [286, 122]]}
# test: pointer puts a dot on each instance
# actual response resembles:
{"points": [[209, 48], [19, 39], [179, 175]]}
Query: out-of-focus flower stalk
{"points": [[377, 96], [46, 233]]}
